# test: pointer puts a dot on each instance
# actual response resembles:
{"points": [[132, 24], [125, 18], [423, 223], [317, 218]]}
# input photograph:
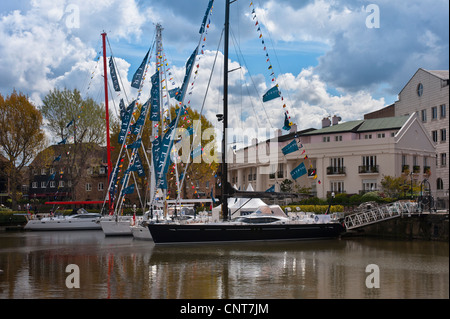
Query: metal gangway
{"points": [[374, 214]]}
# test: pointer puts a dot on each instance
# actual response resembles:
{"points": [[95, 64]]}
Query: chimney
{"points": [[293, 128], [278, 133], [326, 122], [336, 119]]}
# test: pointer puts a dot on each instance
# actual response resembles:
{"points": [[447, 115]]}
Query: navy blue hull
{"points": [[199, 233]]}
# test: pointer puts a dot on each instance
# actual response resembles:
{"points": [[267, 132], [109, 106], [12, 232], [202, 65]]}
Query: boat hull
{"points": [[116, 228], [201, 233], [62, 225], [141, 232]]}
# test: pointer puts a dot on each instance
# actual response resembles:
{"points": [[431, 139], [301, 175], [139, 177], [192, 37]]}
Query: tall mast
{"points": [[225, 114], [108, 145]]}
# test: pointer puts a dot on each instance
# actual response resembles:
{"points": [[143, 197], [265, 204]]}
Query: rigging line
{"points": [[203, 105], [255, 87], [248, 91]]}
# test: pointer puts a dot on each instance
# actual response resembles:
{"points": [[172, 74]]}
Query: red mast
{"points": [[108, 145]]}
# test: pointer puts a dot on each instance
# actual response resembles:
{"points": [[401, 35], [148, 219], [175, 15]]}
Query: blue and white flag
{"points": [[128, 190], [189, 64], [155, 98], [290, 148], [273, 93], [271, 189], [202, 28], [299, 171], [113, 73], [137, 77], [125, 122]]}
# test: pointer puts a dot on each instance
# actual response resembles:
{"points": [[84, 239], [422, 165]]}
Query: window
{"points": [[88, 187], [443, 135], [280, 172], [434, 113], [43, 184], [443, 111], [443, 159], [61, 184], [207, 184], [90, 171], [102, 170], [326, 139], [369, 185], [434, 134], [439, 184], [337, 186], [381, 135], [368, 136], [52, 184], [424, 115], [52, 170], [419, 89], [43, 171], [34, 185], [338, 138], [101, 186]]}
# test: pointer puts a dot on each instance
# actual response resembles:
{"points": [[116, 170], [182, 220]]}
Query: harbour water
{"points": [[88, 265]]}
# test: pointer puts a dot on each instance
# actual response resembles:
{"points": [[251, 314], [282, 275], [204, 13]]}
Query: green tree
{"points": [[85, 116], [21, 137]]}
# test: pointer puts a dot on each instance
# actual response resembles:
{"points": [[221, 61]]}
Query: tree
{"points": [[69, 116], [79, 123], [21, 137]]}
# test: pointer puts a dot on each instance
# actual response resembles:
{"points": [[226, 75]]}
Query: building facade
{"points": [[427, 93], [350, 157]]}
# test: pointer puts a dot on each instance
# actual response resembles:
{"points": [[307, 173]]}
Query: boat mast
{"points": [[108, 145], [225, 114]]}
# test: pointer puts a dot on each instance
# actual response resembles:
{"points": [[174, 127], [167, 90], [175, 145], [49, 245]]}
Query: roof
{"points": [[380, 124], [441, 74]]}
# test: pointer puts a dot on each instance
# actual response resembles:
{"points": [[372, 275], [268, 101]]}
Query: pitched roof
{"points": [[380, 124]]}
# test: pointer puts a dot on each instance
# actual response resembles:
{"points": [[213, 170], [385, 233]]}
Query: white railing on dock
{"points": [[380, 213]]}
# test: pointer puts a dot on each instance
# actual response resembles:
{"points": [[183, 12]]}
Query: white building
{"points": [[350, 157], [427, 93]]}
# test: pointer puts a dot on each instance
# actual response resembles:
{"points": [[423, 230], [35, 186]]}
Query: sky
{"points": [[329, 57]]}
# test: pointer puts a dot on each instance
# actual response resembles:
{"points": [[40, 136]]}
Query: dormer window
{"points": [[419, 89]]}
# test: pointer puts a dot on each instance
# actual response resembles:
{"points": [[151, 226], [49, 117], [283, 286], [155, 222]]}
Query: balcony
{"points": [[335, 170], [427, 170], [368, 169]]}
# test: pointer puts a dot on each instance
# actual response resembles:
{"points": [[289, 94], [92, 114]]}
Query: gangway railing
{"points": [[378, 214]]}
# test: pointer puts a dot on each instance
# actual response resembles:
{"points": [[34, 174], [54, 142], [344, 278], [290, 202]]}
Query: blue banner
{"points": [[125, 122], [287, 124], [189, 64], [290, 148], [154, 98], [141, 119], [137, 77], [299, 171], [273, 93], [114, 75], [271, 189], [128, 190], [202, 28]]}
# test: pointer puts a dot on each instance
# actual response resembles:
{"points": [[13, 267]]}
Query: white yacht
{"points": [[116, 225], [82, 220]]}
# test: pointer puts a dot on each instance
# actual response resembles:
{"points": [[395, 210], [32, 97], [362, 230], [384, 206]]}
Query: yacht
{"points": [[81, 220]]}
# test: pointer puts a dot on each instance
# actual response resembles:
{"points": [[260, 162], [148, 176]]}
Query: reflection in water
{"points": [[34, 267]]}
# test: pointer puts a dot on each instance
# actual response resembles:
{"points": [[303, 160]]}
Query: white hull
{"points": [[113, 227], [141, 232], [63, 223]]}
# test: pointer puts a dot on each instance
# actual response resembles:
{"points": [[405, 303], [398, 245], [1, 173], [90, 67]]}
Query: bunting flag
{"points": [[137, 77], [290, 148], [202, 28], [271, 189], [174, 92], [299, 171], [63, 141], [70, 123], [155, 98], [112, 71], [57, 159], [273, 93]]}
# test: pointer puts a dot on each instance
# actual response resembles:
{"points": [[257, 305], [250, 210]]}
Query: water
{"points": [[34, 266]]}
